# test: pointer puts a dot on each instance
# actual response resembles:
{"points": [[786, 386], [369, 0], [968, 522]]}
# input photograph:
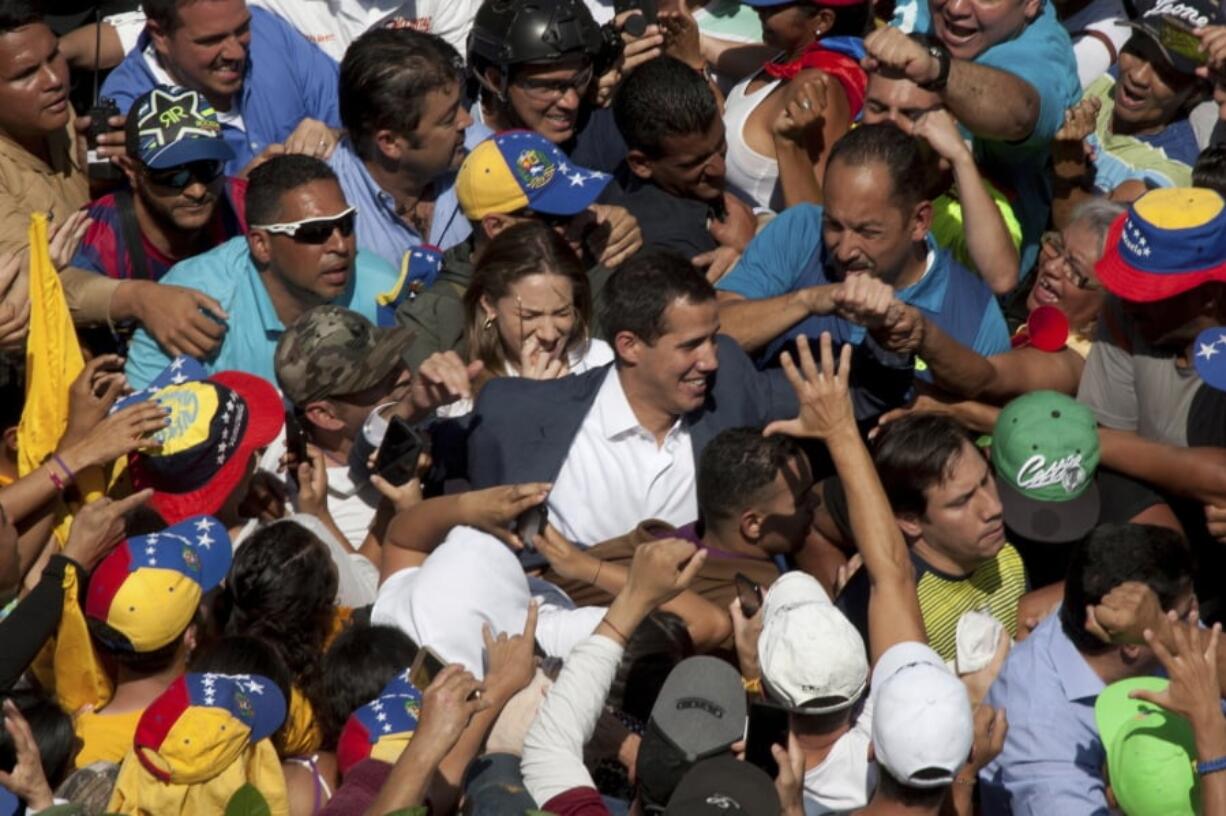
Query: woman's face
{"points": [[1066, 276], [538, 312]]}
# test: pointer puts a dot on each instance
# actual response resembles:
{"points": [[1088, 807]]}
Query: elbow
{"points": [[1003, 277], [1023, 116], [710, 630]]}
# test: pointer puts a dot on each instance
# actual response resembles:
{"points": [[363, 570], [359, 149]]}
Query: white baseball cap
{"points": [[922, 722], [808, 649]]}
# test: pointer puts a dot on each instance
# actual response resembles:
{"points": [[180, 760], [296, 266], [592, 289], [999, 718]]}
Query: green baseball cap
{"points": [[1151, 752], [1045, 453]]}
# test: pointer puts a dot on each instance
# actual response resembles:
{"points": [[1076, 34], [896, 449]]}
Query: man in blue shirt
{"points": [[273, 90], [407, 133], [1005, 69], [1053, 757], [875, 221], [300, 251]]}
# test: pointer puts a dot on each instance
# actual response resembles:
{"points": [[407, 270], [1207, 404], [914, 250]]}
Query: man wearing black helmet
{"points": [[539, 64]]}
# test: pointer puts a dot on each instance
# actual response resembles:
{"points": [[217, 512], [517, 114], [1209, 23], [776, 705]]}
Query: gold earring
{"points": [[489, 324]]}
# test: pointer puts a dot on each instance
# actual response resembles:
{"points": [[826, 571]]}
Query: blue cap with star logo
{"points": [[169, 127], [1209, 357], [522, 170]]}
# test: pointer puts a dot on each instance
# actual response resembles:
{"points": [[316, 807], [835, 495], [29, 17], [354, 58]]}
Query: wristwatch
{"points": [[940, 53]]}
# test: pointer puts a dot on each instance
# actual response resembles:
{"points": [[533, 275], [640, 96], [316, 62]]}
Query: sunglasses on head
{"points": [[314, 230], [205, 171]]}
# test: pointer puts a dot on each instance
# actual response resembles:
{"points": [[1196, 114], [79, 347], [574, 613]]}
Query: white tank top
{"points": [[752, 174]]}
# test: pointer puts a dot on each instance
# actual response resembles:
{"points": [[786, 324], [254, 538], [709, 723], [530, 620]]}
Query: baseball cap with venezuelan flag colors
{"points": [[147, 590], [382, 728], [216, 424], [203, 722], [520, 169]]}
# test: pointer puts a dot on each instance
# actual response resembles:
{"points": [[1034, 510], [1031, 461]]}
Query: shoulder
{"points": [[215, 272], [374, 271], [542, 394]]}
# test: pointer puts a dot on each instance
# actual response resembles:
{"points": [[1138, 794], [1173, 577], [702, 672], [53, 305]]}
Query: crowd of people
{"points": [[579, 407]]}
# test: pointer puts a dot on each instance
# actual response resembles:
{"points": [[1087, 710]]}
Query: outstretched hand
{"points": [[823, 393]]}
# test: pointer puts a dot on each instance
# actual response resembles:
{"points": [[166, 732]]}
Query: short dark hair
{"points": [[164, 12], [356, 667], [663, 98], [1210, 169], [269, 182], [384, 79], [735, 467], [909, 795], [655, 648], [51, 728], [915, 453], [244, 654], [908, 162], [1112, 555], [15, 14], [638, 294]]}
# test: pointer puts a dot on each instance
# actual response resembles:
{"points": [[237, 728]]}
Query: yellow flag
{"points": [[53, 361]]}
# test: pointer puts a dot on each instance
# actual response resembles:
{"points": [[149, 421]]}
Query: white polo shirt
{"points": [[615, 475]]}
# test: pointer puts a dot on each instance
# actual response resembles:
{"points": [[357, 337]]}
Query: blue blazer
{"points": [[521, 430]]}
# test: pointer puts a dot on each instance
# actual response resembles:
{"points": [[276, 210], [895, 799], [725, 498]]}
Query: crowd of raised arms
{"points": [[613, 407]]}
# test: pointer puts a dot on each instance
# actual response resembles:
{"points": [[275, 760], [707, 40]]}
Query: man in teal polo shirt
{"points": [[300, 252], [875, 221], [1005, 69]]}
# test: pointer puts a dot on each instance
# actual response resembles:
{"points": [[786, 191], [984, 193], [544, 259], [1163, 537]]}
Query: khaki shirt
{"points": [[29, 185]]}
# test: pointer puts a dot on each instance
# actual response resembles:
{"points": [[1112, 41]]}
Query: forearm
{"points": [[32, 622], [735, 60], [92, 45], [955, 368], [423, 527], [1210, 732], [755, 323], [796, 175], [973, 93], [91, 296], [448, 782], [987, 238], [1195, 473], [409, 780]]}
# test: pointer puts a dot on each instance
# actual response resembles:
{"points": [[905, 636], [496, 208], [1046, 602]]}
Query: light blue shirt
{"points": [[1053, 758], [383, 232], [227, 274]]}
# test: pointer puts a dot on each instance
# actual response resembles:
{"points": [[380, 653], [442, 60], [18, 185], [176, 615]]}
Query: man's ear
{"points": [[629, 347], [258, 244], [322, 415], [921, 220], [910, 526], [1032, 8], [494, 223], [639, 165], [751, 525], [824, 21], [159, 37], [10, 438], [388, 144]]}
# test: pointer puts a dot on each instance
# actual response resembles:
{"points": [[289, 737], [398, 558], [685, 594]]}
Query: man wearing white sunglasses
{"points": [[300, 252]]}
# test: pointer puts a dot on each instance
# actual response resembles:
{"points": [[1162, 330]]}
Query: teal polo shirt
{"points": [[227, 274], [789, 255]]}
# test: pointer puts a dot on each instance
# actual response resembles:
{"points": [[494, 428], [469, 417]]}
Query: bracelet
{"points": [[599, 567], [605, 620], [56, 480], [67, 470], [752, 685], [1211, 766], [960, 781]]}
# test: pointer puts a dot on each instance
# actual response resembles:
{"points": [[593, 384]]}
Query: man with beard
{"points": [[180, 205], [407, 132], [875, 221]]}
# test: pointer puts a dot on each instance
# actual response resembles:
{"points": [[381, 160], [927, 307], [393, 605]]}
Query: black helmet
{"points": [[509, 32]]}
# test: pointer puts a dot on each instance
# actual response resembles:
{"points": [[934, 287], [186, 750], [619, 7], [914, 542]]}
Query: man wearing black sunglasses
{"points": [[300, 252], [180, 204]]}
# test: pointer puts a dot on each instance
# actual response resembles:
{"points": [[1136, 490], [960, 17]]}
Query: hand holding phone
{"points": [[768, 725], [425, 668], [402, 446], [749, 593], [530, 524]]}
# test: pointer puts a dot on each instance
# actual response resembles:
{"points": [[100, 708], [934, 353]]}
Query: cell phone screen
{"points": [[425, 668], [749, 593], [530, 524], [397, 458], [295, 440], [768, 725]]}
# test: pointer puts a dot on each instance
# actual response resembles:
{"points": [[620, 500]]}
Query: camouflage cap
{"points": [[329, 351]]}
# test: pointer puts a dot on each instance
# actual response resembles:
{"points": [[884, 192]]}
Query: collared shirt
{"points": [[228, 275], [615, 474], [790, 254], [1053, 758], [380, 228], [287, 80], [28, 185]]}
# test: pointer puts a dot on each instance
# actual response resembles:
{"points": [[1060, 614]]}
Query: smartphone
{"points": [[749, 593], [295, 439], [530, 524], [768, 725], [426, 667], [397, 458]]}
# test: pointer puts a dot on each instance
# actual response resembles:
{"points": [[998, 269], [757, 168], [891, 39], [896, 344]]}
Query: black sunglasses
{"points": [[205, 171], [314, 230]]}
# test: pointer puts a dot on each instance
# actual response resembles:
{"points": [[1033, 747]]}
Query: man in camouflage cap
{"points": [[345, 378]]}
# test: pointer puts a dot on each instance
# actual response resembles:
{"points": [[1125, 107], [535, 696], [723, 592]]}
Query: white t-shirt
{"points": [[334, 24]]}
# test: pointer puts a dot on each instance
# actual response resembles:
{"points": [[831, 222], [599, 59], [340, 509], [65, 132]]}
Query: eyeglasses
{"points": [[1053, 242], [177, 178], [314, 230], [548, 90]]}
